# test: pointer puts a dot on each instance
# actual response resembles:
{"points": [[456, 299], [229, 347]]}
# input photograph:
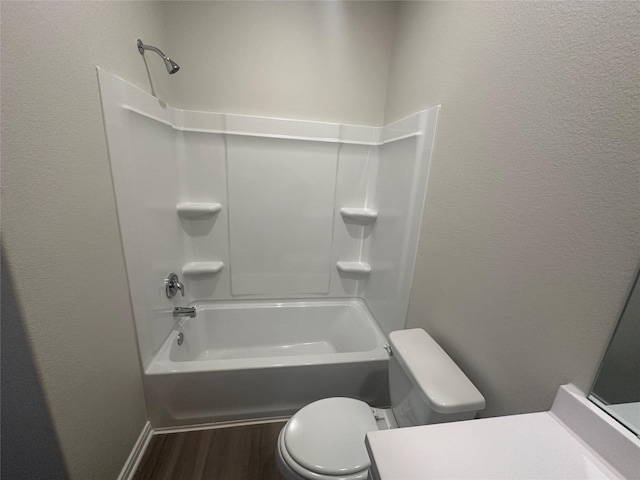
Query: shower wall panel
{"points": [[202, 161], [401, 189], [281, 195], [355, 182], [146, 177]]}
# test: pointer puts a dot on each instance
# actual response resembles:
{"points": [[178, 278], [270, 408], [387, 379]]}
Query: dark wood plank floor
{"points": [[232, 453]]}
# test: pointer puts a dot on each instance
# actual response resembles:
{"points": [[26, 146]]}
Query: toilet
{"points": [[325, 439]]}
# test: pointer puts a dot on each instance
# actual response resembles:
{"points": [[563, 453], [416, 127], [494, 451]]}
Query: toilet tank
{"points": [[426, 386]]}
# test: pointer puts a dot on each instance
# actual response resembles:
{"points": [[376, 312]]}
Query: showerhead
{"points": [[172, 67]]}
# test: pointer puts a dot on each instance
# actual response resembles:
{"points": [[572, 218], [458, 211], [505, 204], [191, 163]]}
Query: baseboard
{"points": [[209, 426], [137, 452]]}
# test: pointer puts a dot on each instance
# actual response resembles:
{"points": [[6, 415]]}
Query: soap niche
{"points": [[359, 216], [197, 210], [202, 268], [197, 219], [359, 221], [359, 224]]}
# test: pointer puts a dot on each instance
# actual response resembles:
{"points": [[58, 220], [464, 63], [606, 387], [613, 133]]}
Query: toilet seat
{"points": [[325, 439], [292, 471]]}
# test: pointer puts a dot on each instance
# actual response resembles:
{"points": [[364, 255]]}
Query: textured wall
{"points": [[310, 60], [531, 232], [59, 226]]}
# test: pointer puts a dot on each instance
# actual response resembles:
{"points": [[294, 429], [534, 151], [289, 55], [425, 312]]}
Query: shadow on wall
{"points": [[29, 445]]}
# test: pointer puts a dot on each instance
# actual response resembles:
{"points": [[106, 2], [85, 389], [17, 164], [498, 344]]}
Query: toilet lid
{"points": [[327, 436]]}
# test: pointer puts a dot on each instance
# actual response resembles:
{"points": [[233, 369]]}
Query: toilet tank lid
{"points": [[446, 387]]}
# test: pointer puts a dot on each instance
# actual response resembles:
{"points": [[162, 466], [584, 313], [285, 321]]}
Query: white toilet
{"points": [[325, 439]]}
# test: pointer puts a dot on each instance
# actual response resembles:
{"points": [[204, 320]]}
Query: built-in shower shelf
{"points": [[360, 268], [202, 268], [191, 209], [360, 215]]}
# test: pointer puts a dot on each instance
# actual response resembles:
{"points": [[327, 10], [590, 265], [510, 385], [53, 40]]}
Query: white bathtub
{"points": [[244, 360]]}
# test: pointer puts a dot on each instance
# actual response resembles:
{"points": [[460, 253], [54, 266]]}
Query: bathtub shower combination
{"points": [[294, 241]]}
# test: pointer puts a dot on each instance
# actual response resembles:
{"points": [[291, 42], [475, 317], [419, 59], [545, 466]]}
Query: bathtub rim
{"points": [[162, 364]]}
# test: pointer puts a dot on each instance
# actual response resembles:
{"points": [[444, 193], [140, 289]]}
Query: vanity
{"points": [[579, 438]]}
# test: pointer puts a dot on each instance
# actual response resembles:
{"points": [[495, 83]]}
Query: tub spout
{"points": [[184, 312]]}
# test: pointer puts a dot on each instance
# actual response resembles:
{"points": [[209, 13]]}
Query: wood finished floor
{"points": [[232, 453]]}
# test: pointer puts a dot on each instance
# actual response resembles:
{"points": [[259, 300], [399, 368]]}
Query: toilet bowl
{"points": [[325, 439]]}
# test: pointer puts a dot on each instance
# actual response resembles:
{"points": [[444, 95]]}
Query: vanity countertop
{"points": [[534, 446]]}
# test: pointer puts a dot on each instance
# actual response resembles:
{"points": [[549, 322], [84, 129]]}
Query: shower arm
{"points": [[172, 67], [142, 47]]}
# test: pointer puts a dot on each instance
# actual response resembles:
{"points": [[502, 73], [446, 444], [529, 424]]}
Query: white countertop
{"points": [[531, 446], [627, 413], [520, 446]]}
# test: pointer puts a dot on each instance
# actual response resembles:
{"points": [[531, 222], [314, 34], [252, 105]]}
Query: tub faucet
{"points": [[172, 285], [184, 312]]}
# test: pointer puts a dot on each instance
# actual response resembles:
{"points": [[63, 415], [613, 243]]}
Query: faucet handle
{"points": [[172, 285]]}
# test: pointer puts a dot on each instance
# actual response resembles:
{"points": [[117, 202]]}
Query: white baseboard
{"points": [[137, 452], [209, 426]]}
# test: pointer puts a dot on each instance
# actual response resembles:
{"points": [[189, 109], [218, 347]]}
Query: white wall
{"points": [[531, 232], [59, 225], [325, 61]]}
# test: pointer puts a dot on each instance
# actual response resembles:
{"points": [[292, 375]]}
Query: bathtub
{"points": [[253, 359]]}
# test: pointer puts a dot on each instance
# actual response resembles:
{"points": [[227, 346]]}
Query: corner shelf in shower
{"points": [[359, 215], [191, 209], [360, 268], [202, 268]]}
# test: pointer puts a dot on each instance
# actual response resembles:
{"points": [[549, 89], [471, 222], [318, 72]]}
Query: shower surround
{"points": [[253, 209]]}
